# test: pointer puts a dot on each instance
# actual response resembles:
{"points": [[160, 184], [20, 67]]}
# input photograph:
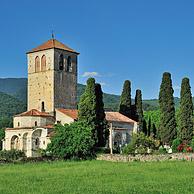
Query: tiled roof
{"points": [[73, 113], [110, 116], [48, 127], [118, 117], [52, 43], [34, 112]]}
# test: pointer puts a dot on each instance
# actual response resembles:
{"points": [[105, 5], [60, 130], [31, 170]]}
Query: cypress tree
{"points": [[186, 112], [102, 125], [154, 130], [144, 129], [149, 126], [87, 107], [125, 100], [167, 129], [139, 112]]}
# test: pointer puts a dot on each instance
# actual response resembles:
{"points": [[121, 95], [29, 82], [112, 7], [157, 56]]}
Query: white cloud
{"points": [[91, 74]]}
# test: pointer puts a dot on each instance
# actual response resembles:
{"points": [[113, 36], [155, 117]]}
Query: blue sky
{"points": [[118, 40]]}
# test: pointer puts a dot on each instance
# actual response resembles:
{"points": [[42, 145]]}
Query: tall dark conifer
{"points": [[87, 107], [154, 130], [186, 112], [139, 111], [125, 100], [149, 126], [167, 129], [101, 125]]}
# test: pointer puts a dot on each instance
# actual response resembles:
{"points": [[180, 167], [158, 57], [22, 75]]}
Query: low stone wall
{"points": [[146, 158]]}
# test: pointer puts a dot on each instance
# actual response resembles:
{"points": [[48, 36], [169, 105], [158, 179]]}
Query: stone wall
{"points": [[56, 88], [41, 84], [146, 158]]}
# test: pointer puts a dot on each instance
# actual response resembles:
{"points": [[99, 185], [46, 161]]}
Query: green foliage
{"points": [[87, 107], [10, 106], [139, 111], [149, 127], [176, 142], [11, 155], [154, 130], [155, 121], [144, 130], [192, 144], [101, 123], [6, 122], [72, 141], [162, 150], [186, 112], [167, 129], [140, 144], [2, 135], [125, 100]]}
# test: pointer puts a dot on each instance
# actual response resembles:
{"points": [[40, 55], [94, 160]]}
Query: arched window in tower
{"points": [[69, 64], [61, 62], [43, 63], [37, 64]]}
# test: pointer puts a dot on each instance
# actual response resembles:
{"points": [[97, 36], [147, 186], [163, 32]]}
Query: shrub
{"points": [[192, 144], [175, 144], [12, 155], [140, 144], [184, 148], [129, 149], [72, 141], [162, 150]]}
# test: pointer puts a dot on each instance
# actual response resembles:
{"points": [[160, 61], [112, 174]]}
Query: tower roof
{"points": [[52, 43]]}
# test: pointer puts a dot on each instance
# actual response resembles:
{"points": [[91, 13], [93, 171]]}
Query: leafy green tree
{"points": [[87, 107], [155, 116], [139, 111], [125, 100], [167, 129], [101, 125], [186, 112], [72, 141]]}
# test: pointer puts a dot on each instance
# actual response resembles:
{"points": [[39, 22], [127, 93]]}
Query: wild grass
{"points": [[97, 177]]}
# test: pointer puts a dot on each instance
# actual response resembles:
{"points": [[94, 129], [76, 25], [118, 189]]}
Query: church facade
{"points": [[52, 98]]}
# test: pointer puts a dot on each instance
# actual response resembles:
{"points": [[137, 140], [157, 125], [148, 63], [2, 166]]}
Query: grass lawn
{"points": [[97, 177]]}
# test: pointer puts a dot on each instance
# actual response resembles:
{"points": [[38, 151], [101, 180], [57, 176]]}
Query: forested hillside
{"points": [[13, 98]]}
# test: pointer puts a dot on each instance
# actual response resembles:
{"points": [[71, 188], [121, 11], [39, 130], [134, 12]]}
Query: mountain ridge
{"points": [[17, 88]]}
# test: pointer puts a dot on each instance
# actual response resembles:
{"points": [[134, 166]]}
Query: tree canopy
{"points": [[167, 129]]}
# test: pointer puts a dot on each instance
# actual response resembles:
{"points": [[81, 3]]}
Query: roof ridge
{"points": [[52, 43]]}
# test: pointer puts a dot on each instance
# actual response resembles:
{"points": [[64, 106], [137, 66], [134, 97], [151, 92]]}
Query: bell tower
{"points": [[52, 77]]}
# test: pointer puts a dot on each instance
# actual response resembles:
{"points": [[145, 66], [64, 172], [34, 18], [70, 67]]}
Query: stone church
{"points": [[52, 99]]}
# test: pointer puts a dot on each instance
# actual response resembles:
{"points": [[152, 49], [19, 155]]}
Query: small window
{"points": [[18, 124], [35, 123], [61, 62], [43, 63], [69, 64], [42, 107], [37, 64], [37, 142]]}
